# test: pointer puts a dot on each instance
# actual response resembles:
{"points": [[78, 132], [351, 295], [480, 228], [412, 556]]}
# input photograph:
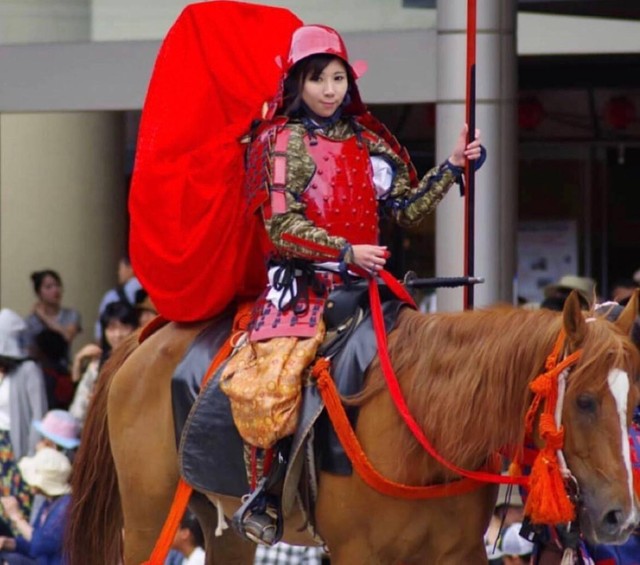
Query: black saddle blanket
{"points": [[210, 448]]}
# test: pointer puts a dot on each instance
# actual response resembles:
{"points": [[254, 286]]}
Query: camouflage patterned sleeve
{"points": [[409, 205], [292, 234]]}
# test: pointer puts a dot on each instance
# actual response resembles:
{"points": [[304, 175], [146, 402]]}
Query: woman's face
{"points": [[116, 332], [50, 290], [324, 94]]}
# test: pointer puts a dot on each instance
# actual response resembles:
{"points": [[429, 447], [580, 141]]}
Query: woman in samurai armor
{"points": [[320, 171]]}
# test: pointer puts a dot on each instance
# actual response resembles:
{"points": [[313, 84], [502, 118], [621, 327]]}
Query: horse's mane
{"points": [[465, 375]]}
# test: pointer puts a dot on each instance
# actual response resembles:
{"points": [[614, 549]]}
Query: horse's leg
{"points": [[227, 549], [143, 438]]}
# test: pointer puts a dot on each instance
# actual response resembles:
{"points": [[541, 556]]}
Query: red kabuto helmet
{"points": [[315, 39], [311, 40]]}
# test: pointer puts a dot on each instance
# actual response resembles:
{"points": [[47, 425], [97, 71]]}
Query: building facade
{"points": [[556, 105]]}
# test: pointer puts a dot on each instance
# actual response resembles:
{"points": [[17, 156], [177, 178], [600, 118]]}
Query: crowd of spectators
{"points": [[45, 396]]}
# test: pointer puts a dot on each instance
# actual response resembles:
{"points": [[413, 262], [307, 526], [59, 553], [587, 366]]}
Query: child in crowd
{"points": [[59, 430]]}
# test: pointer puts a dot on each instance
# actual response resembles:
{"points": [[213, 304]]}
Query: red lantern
{"points": [[619, 112], [530, 113]]}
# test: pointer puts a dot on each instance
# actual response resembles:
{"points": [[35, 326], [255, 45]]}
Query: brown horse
{"points": [[466, 378]]}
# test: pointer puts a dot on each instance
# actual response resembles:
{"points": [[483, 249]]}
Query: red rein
{"points": [[547, 501]]}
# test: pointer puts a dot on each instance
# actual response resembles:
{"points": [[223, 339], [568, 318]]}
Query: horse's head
{"points": [[601, 396]]}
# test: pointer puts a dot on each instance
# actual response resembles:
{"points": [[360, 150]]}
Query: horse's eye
{"points": [[586, 403]]}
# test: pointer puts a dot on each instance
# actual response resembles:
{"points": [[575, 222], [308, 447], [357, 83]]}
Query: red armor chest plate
{"points": [[341, 197]]}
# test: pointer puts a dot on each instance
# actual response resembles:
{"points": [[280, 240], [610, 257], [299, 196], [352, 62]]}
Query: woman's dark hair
{"points": [[309, 67], [37, 278], [119, 311]]}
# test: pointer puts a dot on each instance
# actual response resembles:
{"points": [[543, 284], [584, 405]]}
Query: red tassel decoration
{"points": [[547, 500]]}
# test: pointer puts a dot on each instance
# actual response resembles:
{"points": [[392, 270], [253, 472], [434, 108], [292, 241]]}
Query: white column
{"points": [[62, 206], [496, 190]]}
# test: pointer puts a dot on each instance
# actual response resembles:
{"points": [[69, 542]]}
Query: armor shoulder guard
{"points": [[260, 168], [369, 121]]}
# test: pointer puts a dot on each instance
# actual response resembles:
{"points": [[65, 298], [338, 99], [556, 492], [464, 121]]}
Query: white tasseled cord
{"points": [[222, 522], [562, 387]]}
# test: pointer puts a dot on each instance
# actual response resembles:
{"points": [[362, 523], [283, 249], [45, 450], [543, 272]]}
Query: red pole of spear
{"points": [[469, 196]]}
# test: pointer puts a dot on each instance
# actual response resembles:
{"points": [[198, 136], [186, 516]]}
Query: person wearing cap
{"points": [[515, 549], [59, 430], [47, 472], [23, 399], [332, 168]]}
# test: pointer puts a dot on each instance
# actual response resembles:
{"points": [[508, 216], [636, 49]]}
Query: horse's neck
{"points": [[470, 376]]}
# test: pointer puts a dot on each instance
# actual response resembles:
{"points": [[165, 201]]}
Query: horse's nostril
{"points": [[613, 518]]}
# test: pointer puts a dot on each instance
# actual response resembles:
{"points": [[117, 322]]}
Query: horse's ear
{"points": [[574, 324], [627, 319]]}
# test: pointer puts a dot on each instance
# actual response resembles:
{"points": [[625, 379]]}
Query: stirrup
{"points": [[259, 519]]}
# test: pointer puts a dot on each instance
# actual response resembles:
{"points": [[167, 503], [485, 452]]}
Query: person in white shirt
{"points": [[189, 540]]}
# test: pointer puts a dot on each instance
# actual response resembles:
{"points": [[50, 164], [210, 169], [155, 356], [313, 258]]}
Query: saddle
{"points": [[205, 428]]}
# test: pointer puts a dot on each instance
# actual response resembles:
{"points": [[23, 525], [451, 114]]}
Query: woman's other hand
{"points": [[370, 257], [462, 151]]}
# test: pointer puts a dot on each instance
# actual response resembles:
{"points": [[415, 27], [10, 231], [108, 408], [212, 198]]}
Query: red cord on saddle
{"points": [[359, 459]]}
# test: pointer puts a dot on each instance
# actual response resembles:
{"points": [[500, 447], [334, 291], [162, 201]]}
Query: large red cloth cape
{"points": [[193, 246]]}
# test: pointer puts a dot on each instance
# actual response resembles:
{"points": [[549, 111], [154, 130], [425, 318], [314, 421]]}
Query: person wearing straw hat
{"points": [[561, 289], [40, 542]]}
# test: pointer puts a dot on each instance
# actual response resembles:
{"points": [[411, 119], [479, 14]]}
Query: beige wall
{"points": [[62, 206], [41, 21]]}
